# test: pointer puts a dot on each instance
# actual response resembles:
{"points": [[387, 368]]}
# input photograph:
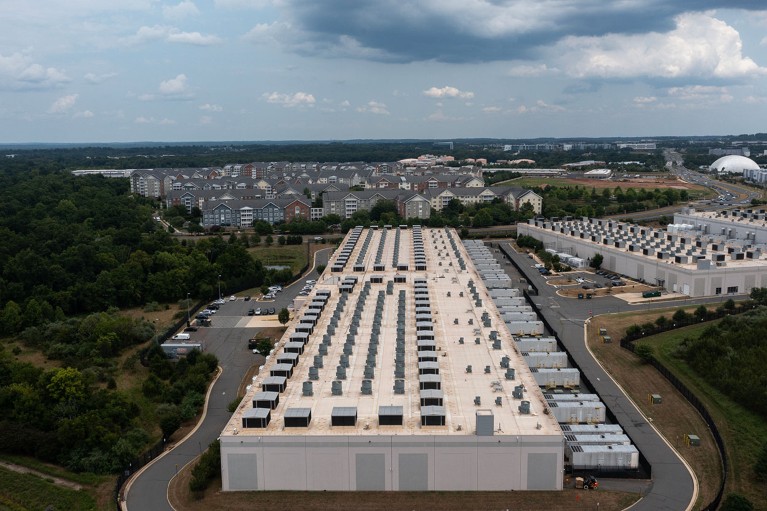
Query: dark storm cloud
{"points": [[475, 30]]}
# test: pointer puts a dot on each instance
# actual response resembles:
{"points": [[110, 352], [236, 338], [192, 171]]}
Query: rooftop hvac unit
{"points": [[308, 388], [341, 372], [367, 387], [524, 407], [399, 386], [314, 373], [335, 388], [509, 373]]}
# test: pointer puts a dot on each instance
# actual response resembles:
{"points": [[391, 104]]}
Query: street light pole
{"points": [[219, 287], [188, 319]]}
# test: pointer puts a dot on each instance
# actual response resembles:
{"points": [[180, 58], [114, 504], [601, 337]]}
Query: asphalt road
{"points": [[672, 484], [148, 490]]}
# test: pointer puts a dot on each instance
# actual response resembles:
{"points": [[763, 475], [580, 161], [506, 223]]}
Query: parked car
{"points": [[310, 281], [247, 298], [232, 298], [271, 311], [190, 329], [257, 312], [252, 312]]}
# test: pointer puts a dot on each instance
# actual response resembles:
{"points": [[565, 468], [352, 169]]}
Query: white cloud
{"points": [[243, 4], [299, 99], [492, 109], [267, 32], [175, 86], [645, 100], [447, 92], [531, 70], [374, 107], [85, 114], [63, 104], [755, 100], [701, 93], [170, 34], [205, 119], [17, 71], [182, 10], [699, 46], [94, 78], [208, 107], [195, 38], [152, 120], [345, 103], [539, 106]]}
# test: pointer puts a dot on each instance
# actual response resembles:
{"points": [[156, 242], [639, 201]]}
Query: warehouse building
{"points": [[689, 260], [749, 225], [398, 374]]}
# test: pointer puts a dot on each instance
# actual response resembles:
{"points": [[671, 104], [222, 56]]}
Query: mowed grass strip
{"points": [[31, 492], [744, 433]]}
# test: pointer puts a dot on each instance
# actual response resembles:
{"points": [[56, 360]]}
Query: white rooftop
{"points": [[449, 300]]}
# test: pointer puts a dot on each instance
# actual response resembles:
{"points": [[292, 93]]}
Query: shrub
{"points": [[206, 470], [644, 352]]}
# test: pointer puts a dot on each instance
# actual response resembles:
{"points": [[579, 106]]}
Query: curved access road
{"points": [[148, 489], [674, 487]]}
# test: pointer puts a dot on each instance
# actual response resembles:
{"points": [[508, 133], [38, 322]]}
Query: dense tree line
{"points": [[75, 415], [580, 201], [74, 245], [731, 355]]}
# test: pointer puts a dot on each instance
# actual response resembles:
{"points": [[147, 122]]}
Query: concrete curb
{"points": [[129, 483]]}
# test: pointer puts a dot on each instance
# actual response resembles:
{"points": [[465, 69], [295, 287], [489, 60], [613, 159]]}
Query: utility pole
{"points": [[188, 319]]}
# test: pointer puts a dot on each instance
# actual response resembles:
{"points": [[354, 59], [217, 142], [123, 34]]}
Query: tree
{"points": [[680, 316], [381, 207], [644, 352], [284, 316], [729, 305], [596, 261], [661, 321], [264, 346], [269, 240], [483, 218], [320, 268], [759, 295], [700, 313]]}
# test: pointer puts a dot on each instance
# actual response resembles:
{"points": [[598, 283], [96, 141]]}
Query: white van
{"points": [[182, 337]]}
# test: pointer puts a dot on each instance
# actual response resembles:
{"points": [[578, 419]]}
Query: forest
{"points": [[731, 355], [75, 252]]}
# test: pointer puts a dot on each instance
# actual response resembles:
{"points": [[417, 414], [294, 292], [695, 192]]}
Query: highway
{"points": [[147, 491]]}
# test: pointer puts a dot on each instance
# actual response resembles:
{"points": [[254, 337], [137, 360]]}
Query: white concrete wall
{"points": [[692, 282], [499, 462]]}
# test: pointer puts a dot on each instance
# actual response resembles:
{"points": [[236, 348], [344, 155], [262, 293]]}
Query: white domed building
{"points": [[733, 164]]}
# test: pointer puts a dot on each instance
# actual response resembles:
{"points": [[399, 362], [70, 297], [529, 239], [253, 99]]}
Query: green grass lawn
{"points": [[282, 255], [744, 432], [25, 491]]}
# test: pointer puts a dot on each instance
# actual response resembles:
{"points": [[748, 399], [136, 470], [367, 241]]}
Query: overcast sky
{"points": [[207, 70]]}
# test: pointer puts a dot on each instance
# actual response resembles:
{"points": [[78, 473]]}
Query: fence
{"points": [[628, 343], [134, 466]]}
